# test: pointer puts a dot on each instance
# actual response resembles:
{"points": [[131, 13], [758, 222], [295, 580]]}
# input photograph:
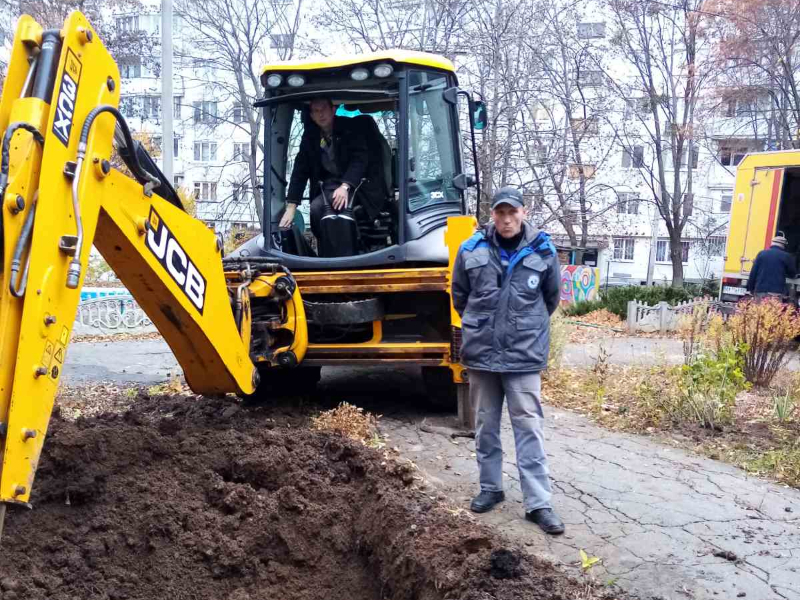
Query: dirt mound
{"points": [[199, 499]]}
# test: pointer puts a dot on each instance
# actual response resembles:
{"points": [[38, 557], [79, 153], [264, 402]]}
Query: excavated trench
{"points": [[200, 499]]}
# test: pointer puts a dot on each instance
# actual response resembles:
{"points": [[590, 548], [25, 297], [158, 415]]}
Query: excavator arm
{"points": [[59, 195]]}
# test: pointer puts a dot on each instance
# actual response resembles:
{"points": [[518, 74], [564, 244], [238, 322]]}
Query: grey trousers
{"points": [[523, 392]]}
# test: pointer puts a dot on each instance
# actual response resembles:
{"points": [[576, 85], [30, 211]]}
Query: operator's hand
{"points": [[339, 198], [287, 220]]}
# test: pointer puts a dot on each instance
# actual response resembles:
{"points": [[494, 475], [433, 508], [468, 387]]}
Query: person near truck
{"points": [[505, 287], [771, 268]]}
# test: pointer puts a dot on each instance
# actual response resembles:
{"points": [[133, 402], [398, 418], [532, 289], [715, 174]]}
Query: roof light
{"points": [[296, 80], [383, 70], [274, 80], [359, 74]]}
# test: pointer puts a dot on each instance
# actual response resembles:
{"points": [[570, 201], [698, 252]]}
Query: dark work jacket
{"points": [[505, 312], [770, 270], [352, 155]]}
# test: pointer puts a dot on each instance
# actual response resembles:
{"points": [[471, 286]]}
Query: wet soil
{"points": [[193, 498]]}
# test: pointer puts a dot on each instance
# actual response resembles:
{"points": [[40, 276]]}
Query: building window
{"points": [[151, 107], [205, 151], [633, 158], [628, 203], [238, 113], [588, 31], [127, 24], [636, 106], [177, 181], [588, 171], [590, 78], [130, 67], [241, 151], [240, 192], [127, 106], [662, 251], [205, 191], [205, 111], [581, 127], [725, 202], [731, 156], [670, 164], [623, 248], [176, 107], [716, 246], [176, 147], [280, 41]]}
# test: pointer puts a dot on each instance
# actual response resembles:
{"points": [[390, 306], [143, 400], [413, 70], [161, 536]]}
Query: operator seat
{"points": [[379, 232]]}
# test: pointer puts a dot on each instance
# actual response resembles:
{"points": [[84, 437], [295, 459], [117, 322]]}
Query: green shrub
{"points": [[582, 308], [616, 299], [710, 384]]}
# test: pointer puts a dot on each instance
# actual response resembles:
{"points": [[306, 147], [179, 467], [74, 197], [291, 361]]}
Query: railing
{"points": [[117, 314], [662, 317]]}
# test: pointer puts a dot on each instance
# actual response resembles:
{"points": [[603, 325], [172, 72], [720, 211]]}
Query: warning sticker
{"points": [[59, 355], [64, 336], [47, 357]]}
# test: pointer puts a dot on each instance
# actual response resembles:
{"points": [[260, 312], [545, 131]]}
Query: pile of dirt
{"points": [[201, 499]]}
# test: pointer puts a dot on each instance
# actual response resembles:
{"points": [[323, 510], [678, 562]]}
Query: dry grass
{"points": [[348, 420], [641, 400]]}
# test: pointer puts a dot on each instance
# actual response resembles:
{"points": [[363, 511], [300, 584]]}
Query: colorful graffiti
{"points": [[579, 283]]}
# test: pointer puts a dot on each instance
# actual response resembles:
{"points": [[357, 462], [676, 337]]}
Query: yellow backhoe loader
{"points": [[279, 308]]}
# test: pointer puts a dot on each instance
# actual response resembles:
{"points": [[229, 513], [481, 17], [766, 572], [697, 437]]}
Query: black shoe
{"points": [[486, 501], [547, 519]]}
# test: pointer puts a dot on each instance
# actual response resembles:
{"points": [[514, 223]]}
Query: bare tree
{"points": [[231, 41], [759, 43], [51, 14], [666, 48]]}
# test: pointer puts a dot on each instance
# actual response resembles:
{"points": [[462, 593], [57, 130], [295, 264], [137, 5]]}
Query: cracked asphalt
{"points": [[666, 524]]}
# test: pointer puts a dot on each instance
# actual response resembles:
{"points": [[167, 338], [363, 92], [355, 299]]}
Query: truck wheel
{"points": [[280, 383], [440, 387]]}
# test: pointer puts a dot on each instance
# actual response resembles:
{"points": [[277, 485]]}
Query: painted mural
{"points": [[579, 283]]}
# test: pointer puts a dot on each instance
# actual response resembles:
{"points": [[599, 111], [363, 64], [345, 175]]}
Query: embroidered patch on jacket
{"points": [[533, 282]]}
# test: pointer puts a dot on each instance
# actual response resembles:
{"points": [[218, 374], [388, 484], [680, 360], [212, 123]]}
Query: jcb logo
{"points": [[175, 260], [67, 94]]}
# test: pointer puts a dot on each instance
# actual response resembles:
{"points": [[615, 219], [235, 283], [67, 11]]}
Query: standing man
{"points": [[505, 287], [771, 268]]}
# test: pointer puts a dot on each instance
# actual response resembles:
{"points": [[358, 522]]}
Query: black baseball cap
{"points": [[508, 195]]}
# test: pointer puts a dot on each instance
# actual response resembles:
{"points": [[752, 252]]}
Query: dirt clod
{"points": [[505, 564], [184, 497], [727, 555]]}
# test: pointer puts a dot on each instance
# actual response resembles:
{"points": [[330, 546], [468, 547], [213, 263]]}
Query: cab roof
{"points": [[410, 57]]}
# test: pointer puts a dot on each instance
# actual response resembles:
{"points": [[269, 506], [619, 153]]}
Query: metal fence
{"points": [[117, 314], [662, 317]]}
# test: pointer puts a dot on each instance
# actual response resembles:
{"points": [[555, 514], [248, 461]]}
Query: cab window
{"points": [[432, 161]]}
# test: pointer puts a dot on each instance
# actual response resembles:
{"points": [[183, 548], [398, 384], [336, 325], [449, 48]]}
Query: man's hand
{"points": [[339, 199], [287, 220]]}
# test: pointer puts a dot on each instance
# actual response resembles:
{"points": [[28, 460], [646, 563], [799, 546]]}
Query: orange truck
{"points": [[766, 201]]}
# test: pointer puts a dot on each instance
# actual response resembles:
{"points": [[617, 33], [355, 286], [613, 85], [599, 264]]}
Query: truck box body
{"points": [[766, 201]]}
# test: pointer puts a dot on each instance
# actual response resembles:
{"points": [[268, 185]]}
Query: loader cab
{"points": [[405, 105]]}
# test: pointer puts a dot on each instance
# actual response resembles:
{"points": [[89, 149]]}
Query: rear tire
{"points": [[440, 387]]}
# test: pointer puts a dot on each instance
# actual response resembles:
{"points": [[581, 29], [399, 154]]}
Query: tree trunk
{"points": [[676, 254]]}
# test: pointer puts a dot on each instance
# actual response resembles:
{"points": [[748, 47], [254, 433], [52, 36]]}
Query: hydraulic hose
{"points": [[5, 163], [74, 272], [17, 288]]}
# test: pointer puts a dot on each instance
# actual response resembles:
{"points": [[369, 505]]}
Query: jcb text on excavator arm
{"points": [[59, 195]]}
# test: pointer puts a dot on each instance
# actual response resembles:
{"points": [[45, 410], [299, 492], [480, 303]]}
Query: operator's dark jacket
{"points": [[352, 154], [505, 313], [770, 270]]}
